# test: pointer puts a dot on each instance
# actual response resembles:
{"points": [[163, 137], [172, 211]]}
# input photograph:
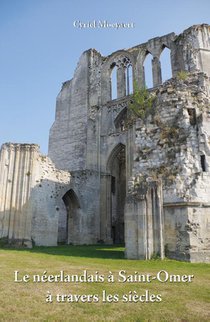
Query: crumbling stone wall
{"points": [[30, 196], [81, 223], [170, 146], [46, 204], [16, 169], [33, 207], [110, 172], [82, 120]]}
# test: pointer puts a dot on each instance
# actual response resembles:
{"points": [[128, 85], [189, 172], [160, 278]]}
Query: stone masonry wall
{"points": [[30, 195], [170, 146], [68, 140], [46, 204]]}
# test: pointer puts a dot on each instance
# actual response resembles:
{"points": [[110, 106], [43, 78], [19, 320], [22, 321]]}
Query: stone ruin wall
{"points": [[33, 207], [173, 146], [85, 139], [31, 193]]}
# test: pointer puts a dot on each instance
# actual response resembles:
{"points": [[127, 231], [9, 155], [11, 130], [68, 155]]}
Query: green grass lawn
{"points": [[26, 301]]}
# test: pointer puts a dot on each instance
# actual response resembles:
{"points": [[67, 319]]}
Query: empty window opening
{"points": [[192, 115], [165, 60], [114, 83], [148, 71], [203, 163], [129, 80]]}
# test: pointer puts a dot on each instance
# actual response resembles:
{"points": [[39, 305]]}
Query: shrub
{"points": [[142, 102], [182, 75]]}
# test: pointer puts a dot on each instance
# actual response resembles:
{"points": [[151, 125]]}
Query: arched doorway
{"points": [[117, 192], [73, 217]]}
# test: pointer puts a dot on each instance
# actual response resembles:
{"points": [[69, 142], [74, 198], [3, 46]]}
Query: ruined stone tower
{"points": [[111, 178]]}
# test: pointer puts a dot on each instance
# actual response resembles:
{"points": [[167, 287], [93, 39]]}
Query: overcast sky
{"points": [[40, 48]]}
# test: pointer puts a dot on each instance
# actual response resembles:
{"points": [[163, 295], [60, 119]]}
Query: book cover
{"points": [[104, 161]]}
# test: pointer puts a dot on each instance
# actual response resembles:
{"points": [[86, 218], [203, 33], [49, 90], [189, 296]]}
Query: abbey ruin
{"points": [[111, 178]]}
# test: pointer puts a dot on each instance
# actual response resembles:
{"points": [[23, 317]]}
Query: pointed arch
{"points": [[119, 147], [165, 61], [71, 195], [120, 120], [113, 81], [73, 215], [129, 79], [121, 76], [147, 66]]}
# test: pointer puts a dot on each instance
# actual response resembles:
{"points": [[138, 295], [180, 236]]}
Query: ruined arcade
{"points": [[110, 178]]}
